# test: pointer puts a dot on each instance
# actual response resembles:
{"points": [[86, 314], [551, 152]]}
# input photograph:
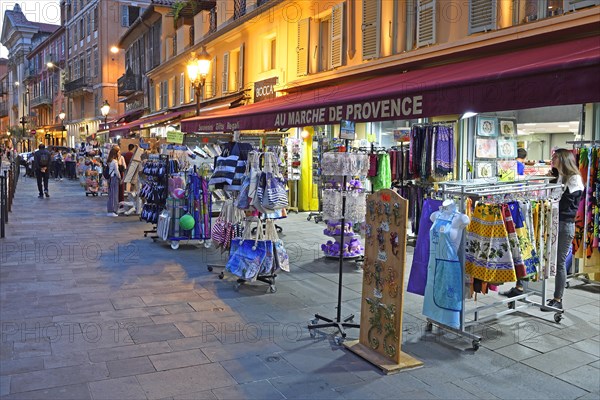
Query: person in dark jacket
{"points": [[41, 164]]}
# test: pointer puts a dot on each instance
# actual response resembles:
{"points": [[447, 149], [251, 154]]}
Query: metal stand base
{"points": [[318, 217], [332, 323]]}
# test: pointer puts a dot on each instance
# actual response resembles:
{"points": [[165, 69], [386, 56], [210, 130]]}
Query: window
{"points": [[77, 70], [88, 23], [269, 54], [129, 14], [96, 61], [181, 88], [164, 94], [89, 63], [95, 19], [173, 94], [426, 22], [81, 29], [152, 98], [482, 15], [371, 32]]}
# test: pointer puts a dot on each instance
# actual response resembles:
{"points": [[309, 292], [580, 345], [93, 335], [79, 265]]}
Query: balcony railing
{"points": [[79, 83], [129, 84], [3, 88], [3, 109], [30, 73], [41, 101]]}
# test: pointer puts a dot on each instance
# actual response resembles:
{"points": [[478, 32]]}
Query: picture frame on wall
{"points": [[507, 148], [485, 169], [486, 148], [507, 170], [508, 127], [487, 126]]}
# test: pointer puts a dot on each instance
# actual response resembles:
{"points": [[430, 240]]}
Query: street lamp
{"points": [[105, 109], [62, 116], [197, 69]]}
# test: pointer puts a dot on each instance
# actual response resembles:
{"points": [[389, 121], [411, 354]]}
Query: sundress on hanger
{"points": [[444, 289], [487, 250], [580, 228], [527, 252]]}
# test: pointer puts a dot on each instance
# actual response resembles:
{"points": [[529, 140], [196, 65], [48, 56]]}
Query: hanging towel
{"points": [[383, 179]]}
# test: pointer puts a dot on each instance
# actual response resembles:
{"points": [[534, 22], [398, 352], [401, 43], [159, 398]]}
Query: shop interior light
{"points": [[468, 114], [304, 134]]}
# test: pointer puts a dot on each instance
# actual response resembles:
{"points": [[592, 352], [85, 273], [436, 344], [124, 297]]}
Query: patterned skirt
{"points": [[527, 252], [488, 255]]}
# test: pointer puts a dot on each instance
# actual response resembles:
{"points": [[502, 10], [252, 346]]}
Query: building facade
{"points": [[20, 36], [93, 65], [45, 82], [4, 121]]}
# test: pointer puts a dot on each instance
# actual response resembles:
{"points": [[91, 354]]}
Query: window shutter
{"points": [[240, 82], [572, 5], [213, 83], [302, 49], [337, 36], [181, 88], [124, 15], [425, 22], [225, 84], [173, 83], [482, 15], [371, 34]]}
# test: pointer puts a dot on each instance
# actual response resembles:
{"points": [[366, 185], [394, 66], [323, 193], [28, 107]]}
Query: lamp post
{"points": [[105, 109], [197, 69], [62, 116]]}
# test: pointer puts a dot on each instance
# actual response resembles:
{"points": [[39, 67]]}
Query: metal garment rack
{"points": [[485, 188], [583, 276]]}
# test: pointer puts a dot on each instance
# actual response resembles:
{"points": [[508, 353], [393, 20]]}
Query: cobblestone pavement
{"points": [[92, 309]]}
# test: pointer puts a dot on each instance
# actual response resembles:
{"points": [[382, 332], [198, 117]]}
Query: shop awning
{"points": [[557, 74], [124, 129]]}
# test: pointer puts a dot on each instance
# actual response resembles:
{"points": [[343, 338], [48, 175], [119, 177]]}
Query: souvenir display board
{"points": [[383, 284]]}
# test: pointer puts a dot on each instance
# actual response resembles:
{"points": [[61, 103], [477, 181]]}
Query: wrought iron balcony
{"points": [[30, 73], [43, 100], [129, 84], [76, 84]]}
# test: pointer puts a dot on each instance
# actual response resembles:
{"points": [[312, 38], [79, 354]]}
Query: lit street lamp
{"points": [[105, 109], [197, 69], [62, 116]]}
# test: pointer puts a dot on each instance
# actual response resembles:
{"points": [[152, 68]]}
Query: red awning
{"points": [[123, 130], [556, 74]]}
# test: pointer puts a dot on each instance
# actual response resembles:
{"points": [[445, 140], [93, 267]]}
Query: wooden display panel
{"points": [[383, 284]]}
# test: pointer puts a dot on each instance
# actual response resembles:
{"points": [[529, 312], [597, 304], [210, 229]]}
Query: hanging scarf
{"points": [[444, 150]]}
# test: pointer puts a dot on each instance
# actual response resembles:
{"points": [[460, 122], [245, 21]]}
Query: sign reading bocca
{"points": [[265, 90]]}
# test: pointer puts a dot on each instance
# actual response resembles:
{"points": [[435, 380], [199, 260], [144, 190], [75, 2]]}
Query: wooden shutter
{"points": [[124, 15], [225, 84], [482, 15], [182, 88], [240, 82], [337, 36], [371, 32], [425, 22], [302, 49], [572, 5]]}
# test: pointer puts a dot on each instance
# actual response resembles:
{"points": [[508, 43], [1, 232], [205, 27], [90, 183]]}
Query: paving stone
{"points": [[129, 366], [185, 380], [560, 360], [589, 346], [57, 377], [171, 298], [127, 302], [255, 390], [155, 333], [4, 385], [304, 387], [70, 392], [119, 388], [204, 395], [546, 387], [178, 359], [546, 343], [240, 350], [196, 342], [577, 333], [18, 366], [595, 364], [179, 308], [449, 390], [249, 369], [517, 352], [36, 348], [585, 377], [66, 360], [120, 353]]}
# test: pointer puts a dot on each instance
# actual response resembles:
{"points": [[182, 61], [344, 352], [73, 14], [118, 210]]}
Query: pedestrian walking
{"points": [[41, 164], [114, 179]]}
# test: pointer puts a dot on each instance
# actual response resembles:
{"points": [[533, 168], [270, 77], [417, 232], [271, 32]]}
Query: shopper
{"points": [[114, 181], [41, 164], [521, 156], [129, 155], [122, 168], [58, 166]]}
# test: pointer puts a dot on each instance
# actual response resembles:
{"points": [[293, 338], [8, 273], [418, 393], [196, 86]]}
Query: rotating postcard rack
{"points": [[496, 191]]}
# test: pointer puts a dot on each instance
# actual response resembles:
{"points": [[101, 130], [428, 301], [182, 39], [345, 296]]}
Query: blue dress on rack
{"points": [[444, 289]]}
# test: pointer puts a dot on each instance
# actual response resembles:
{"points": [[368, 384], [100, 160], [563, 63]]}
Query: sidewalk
{"points": [[90, 309]]}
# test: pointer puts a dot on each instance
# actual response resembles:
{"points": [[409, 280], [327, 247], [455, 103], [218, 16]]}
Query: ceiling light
{"points": [[114, 49], [530, 124], [562, 126], [468, 114]]}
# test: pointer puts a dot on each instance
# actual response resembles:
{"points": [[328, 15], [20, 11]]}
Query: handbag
{"points": [[275, 195], [225, 166], [280, 257], [248, 257]]}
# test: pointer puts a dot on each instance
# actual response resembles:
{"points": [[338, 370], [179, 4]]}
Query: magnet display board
{"points": [[383, 284]]}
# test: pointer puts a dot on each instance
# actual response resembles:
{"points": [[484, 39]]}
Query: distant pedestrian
{"points": [[41, 164], [114, 181]]}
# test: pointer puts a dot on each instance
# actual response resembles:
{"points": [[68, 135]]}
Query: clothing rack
{"points": [[490, 189]]}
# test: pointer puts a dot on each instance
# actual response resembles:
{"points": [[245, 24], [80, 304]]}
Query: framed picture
{"points": [[486, 126], [485, 169], [347, 130], [507, 148], [508, 127], [486, 148]]}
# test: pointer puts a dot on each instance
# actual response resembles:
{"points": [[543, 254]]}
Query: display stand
{"points": [[383, 284], [493, 190], [337, 322]]}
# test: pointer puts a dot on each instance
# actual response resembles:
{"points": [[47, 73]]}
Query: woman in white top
{"points": [[114, 181]]}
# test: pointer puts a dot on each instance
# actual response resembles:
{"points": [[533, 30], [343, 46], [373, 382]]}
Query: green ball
{"points": [[187, 222]]}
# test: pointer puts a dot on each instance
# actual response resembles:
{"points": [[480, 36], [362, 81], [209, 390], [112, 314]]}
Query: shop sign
{"points": [[32, 132], [175, 137], [265, 90]]}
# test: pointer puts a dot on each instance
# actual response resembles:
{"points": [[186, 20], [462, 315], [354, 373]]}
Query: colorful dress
{"points": [[487, 249], [527, 252], [444, 289]]}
